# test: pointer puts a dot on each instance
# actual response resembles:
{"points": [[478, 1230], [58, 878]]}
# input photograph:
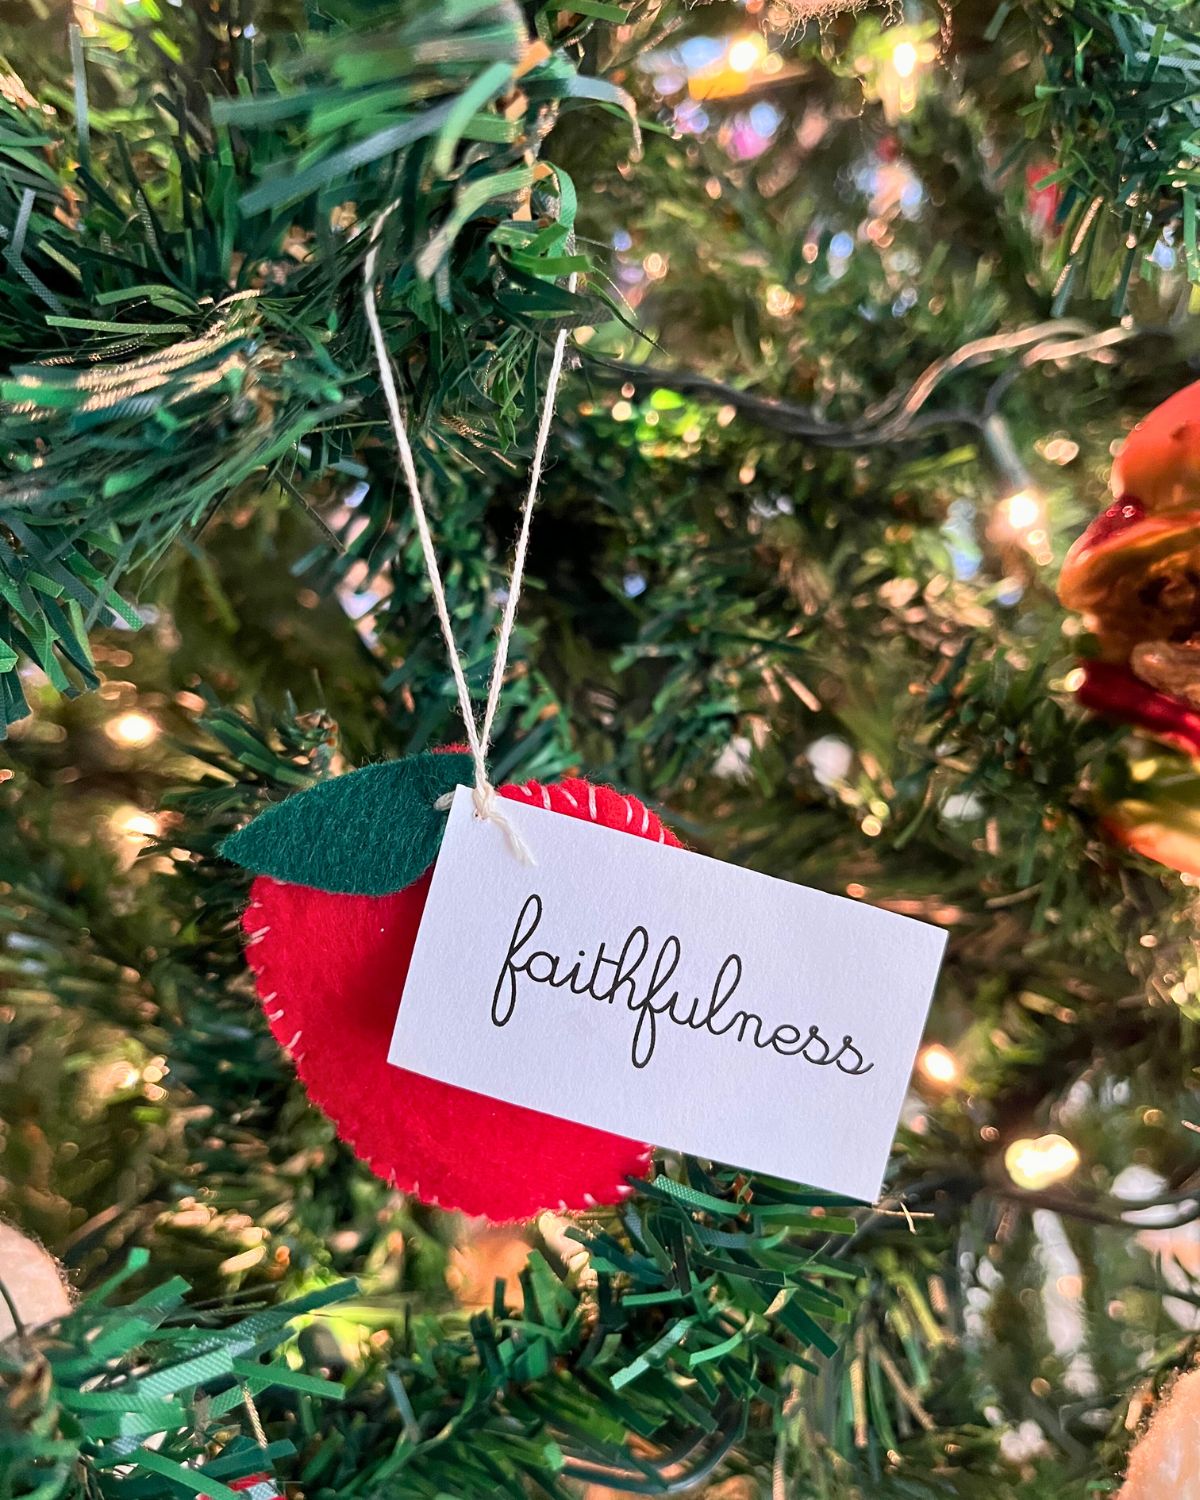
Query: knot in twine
{"points": [[487, 806]]}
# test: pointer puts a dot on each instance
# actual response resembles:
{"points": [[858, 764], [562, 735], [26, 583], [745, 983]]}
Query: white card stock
{"points": [[665, 996]]}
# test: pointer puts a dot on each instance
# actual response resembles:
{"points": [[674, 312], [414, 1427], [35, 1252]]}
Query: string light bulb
{"points": [[134, 826], [746, 52], [132, 730], [1020, 517], [897, 75], [904, 59], [1037, 1164], [1023, 510], [937, 1064], [743, 65]]}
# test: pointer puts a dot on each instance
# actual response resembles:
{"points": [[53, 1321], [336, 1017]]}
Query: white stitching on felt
{"points": [[645, 819], [628, 812], [287, 1046], [546, 799], [569, 797], [592, 803]]}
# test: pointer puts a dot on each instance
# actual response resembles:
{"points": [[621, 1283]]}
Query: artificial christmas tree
{"points": [[839, 392]]}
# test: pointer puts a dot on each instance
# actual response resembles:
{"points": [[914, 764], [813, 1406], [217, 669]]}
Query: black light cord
{"points": [[901, 417]]}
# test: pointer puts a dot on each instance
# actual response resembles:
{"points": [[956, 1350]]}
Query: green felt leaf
{"points": [[366, 834]]}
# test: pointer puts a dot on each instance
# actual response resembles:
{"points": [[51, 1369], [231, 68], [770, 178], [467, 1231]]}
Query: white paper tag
{"points": [[666, 996]]}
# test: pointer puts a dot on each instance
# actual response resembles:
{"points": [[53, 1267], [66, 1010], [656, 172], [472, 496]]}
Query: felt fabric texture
{"points": [[330, 969], [368, 833]]}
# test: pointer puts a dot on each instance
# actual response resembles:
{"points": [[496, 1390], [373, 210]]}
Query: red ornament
{"points": [[1114, 691], [1043, 198], [330, 969], [1117, 519], [254, 1487]]}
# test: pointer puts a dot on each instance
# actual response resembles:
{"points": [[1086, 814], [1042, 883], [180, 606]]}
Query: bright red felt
{"points": [[330, 970]]}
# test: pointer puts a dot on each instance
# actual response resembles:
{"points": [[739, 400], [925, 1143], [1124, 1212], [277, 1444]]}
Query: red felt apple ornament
{"points": [[342, 872], [1135, 575]]}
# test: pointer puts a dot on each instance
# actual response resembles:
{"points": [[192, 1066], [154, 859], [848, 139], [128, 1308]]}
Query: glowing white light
{"points": [[938, 1064], [133, 730], [1024, 510], [746, 52], [1023, 518], [134, 826], [1035, 1164], [904, 59]]}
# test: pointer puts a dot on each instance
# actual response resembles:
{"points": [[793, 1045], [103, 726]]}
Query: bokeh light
{"points": [[904, 59], [1023, 510], [133, 825], [746, 52], [132, 730], [1040, 1163], [937, 1064], [1022, 518]]}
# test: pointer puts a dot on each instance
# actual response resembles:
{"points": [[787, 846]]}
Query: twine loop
{"points": [[479, 734]]}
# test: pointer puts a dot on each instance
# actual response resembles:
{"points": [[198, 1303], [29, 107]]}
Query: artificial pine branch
{"points": [[203, 254], [195, 292], [699, 598]]}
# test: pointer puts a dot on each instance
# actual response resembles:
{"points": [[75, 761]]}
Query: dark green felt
{"points": [[369, 833]]}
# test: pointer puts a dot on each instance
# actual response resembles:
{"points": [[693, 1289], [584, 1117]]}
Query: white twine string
{"points": [[487, 803]]}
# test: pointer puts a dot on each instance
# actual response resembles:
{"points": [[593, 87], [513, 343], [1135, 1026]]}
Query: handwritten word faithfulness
{"points": [[644, 990]]}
